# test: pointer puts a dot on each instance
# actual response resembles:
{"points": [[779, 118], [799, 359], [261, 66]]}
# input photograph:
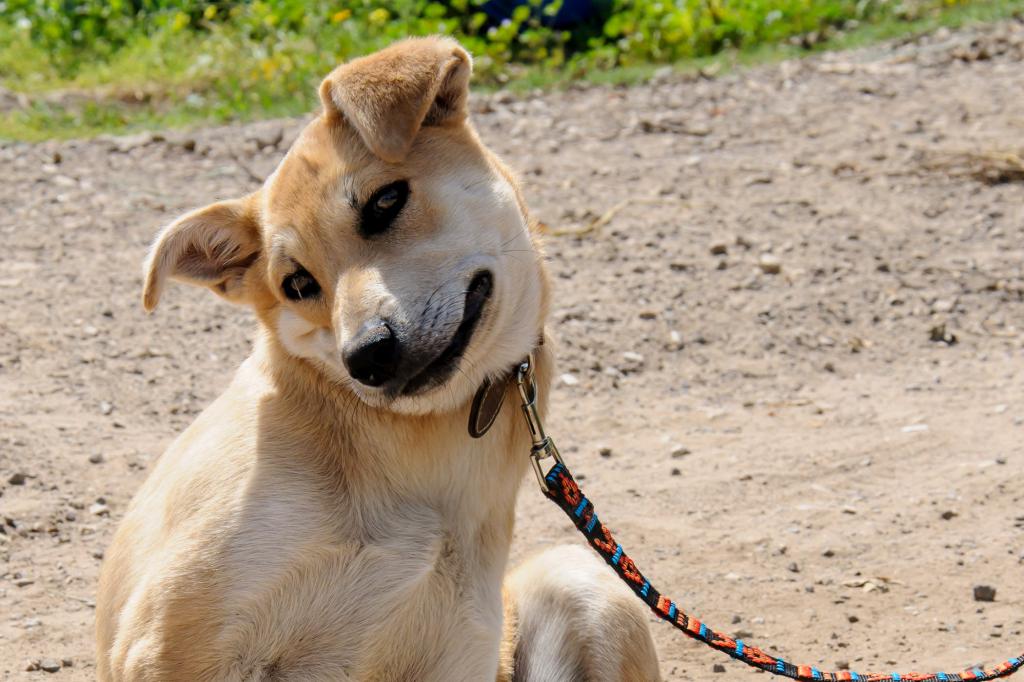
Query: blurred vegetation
{"points": [[73, 67]]}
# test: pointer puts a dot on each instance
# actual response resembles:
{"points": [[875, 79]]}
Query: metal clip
{"points": [[543, 447]]}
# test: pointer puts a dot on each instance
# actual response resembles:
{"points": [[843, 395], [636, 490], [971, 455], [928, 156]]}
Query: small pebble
{"points": [[50, 665], [718, 668], [17, 479], [604, 451], [613, 372], [99, 509], [719, 249], [676, 472], [106, 408], [984, 593], [569, 379], [794, 567], [769, 264], [96, 458], [949, 514], [680, 451], [939, 334]]}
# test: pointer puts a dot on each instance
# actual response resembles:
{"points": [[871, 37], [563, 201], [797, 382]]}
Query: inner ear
{"points": [[389, 95], [213, 247], [212, 263], [450, 100]]}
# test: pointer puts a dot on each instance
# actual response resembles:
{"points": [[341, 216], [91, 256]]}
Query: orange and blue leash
{"points": [[563, 490]]}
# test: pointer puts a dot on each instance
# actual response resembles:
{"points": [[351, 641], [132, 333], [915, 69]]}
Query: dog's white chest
{"points": [[328, 610]]}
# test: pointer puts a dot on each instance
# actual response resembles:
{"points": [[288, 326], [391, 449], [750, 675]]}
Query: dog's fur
{"points": [[310, 527]]}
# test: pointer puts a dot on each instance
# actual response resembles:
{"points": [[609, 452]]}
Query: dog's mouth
{"points": [[443, 366]]}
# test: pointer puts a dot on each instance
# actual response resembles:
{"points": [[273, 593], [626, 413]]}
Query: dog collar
{"points": [[490, 397], [487, 405]]}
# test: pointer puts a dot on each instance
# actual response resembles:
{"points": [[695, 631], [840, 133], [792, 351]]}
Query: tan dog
{"points": [[329, 516]]}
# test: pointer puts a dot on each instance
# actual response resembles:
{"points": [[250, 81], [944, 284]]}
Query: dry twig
{"points": [[601, 220], [244, 167], [990, 167]]}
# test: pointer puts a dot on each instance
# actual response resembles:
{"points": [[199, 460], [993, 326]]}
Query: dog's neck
{"points": [[372, 447]]}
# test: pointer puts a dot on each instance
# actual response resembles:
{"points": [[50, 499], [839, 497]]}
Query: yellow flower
{"points": [[181, 21], [210, 12], [379, 16], [269, 67], [340, 16]]}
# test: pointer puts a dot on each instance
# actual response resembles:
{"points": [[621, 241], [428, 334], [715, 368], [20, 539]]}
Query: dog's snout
{"points": [[372, 356]]}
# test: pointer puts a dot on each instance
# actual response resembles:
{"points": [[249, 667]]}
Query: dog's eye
{"points": [[383, 207], [300, 285]]}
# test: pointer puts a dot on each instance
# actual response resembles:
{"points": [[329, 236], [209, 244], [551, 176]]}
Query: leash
{"points": [[559, 486]]}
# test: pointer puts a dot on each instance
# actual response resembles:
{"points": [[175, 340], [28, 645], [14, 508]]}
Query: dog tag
{"points": [[486, 406]]}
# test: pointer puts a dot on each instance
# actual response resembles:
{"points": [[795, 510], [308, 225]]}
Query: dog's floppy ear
{"points": [[211, 247], [388, 96]]}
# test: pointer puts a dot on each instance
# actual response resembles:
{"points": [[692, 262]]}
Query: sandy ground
{"points": [[825, 459]]}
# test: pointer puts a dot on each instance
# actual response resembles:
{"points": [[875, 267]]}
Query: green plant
{"points": [[97, 64]]}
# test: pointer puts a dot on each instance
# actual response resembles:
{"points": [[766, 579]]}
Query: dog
{"points": [[329, 516]]}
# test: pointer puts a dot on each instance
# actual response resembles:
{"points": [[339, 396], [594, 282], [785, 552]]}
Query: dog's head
{"points": [[389, 248]]}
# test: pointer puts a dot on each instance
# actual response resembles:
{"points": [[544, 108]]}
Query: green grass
{"points": [[164, 69], [951, 17]]}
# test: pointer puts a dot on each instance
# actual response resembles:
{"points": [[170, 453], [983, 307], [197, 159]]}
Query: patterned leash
{"points": [[558, 485]]}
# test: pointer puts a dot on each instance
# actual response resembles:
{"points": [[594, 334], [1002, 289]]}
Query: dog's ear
{"points": [[212, 247], [389, 95]]}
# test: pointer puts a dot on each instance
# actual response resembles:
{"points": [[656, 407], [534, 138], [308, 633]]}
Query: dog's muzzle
{"points": [[380, 356]]}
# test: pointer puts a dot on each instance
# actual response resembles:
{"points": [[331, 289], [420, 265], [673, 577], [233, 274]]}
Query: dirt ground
{"points": [[791, 348]]}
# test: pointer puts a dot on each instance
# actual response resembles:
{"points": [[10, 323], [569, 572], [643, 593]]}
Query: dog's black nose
{"points": [[372, 356]]}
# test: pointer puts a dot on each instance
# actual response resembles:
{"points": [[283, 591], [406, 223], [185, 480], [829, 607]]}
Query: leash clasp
{"points": [[543, 447]]}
